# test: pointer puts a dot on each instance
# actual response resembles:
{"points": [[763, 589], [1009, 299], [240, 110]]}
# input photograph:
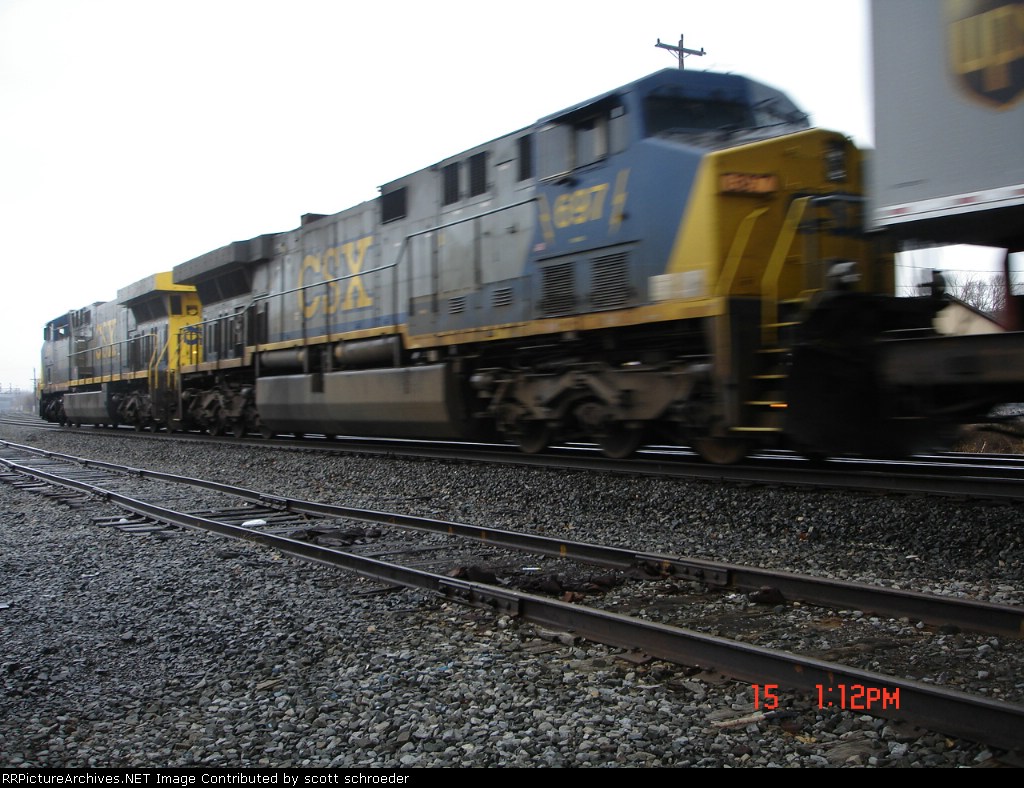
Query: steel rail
{"points": [[949, 711], [838, 473], [971, 615], [791, 471]]}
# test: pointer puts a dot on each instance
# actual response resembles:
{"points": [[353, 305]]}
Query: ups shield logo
{"points": [[986, 49]]}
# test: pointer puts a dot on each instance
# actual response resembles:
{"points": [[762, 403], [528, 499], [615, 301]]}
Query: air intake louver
{"points": [[501, 297], [609, 281], [559, 286]]}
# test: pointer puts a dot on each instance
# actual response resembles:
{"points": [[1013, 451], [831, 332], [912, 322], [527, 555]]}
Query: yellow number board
{"points": [[748, 183]]}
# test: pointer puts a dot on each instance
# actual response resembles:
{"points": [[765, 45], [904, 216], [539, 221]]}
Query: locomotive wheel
{"points": [[721, 451], [619, 441], [534, 436], [238, 428]]}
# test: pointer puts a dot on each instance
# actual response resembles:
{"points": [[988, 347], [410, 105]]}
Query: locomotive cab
{"points": [[682, 222]]}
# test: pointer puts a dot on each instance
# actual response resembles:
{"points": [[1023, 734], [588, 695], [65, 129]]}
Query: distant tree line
{"points": [[987, 294], [984, 293]]}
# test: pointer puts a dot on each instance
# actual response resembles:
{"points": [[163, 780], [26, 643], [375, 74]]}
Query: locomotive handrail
{"points": [[465, 219], [153, 372], [116, 349], [389, 266], [773, 271], [199, 335], [736, 250], [221, 317], [282, 293], [776, 263]]}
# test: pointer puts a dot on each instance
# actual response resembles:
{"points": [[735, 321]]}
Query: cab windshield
{"points": [[676, 114]]}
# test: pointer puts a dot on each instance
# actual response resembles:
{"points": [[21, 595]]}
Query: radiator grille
{"points": [[609, 279], [559, 290]]}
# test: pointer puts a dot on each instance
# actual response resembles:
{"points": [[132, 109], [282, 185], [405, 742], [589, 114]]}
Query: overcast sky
{"points": [[137, 134]]}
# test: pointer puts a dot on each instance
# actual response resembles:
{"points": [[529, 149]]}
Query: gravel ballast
{"points": [[139, 650]]}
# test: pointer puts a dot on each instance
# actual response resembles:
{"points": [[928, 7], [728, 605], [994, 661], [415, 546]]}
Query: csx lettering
{"points": [[105, 334], [342, 288], [581, 206], [989, 42]]}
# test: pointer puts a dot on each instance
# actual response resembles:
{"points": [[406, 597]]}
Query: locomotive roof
{"points": [[228, 257], [674, 81], [693, 84], [148, 287]]}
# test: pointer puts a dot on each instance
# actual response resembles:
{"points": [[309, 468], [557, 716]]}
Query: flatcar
{"points": [[679, 259]]}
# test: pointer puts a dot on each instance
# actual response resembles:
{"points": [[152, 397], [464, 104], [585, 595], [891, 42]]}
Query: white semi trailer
{"points": [[949, 121]]}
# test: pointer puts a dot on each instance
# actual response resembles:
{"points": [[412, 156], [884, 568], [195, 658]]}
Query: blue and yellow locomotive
{"points": [[636, 267]]}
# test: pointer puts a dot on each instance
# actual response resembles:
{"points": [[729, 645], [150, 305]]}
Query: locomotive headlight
{"points": [[835, 161]]}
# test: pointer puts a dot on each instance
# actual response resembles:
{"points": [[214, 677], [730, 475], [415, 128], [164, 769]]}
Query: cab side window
{"points": [[581, 139]]}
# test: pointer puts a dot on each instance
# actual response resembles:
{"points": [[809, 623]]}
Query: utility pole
{"points": [[681, 50]]}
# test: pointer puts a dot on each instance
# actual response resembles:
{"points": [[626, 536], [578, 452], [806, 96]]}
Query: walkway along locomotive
{"points": [[681, 259]]}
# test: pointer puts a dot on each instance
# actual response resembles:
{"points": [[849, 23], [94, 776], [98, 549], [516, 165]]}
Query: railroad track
{"points": [[276, 522], [951, 474]]}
